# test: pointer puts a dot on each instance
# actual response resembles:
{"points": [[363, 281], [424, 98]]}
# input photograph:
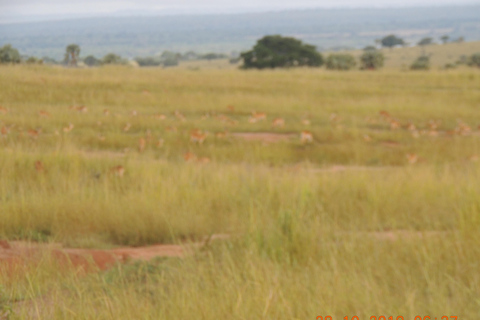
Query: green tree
{"points": [[425, 41], [112, 58], [371, 60], [91, 61], [72, 52], [8, 54], [340, 62], [391, 41], [277, 52], [422, 63], [444, 39], [474, 60], [369, 48]]}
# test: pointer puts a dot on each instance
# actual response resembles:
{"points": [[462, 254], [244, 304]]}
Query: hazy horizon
{"points": [[44, 10]]}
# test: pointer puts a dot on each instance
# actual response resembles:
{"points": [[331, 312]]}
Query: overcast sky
{"points": [[13, 8]]}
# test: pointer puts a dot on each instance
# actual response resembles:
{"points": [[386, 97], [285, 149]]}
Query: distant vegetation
{"points": [[277, 51], [340, 62]]}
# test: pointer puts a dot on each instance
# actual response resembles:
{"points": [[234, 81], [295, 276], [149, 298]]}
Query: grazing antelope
{"points": [[34, 133], [3, 110], [82, 109], [257, 116], [101, 137], [473, 158], [415, 134], [106, 112], [189, 156], [4, 131], [43, 114], [384, 114], [119, 171], [394, 124], [39, 166], [203, 160], [69, 128], [412, 158], [141, 144], [127, 127], [306, 136], [305, 122], [231, 108], [197, 136], [160, 116], [278, 122], [133, 113], [433, 124], [221, 134], [367, 138], [411, 127], [179, 116]]}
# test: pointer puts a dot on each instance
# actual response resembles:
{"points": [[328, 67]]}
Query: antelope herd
{"points": [[198, 136]]}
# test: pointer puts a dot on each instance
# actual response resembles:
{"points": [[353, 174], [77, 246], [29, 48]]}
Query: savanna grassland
{"points": [[377, 214]]}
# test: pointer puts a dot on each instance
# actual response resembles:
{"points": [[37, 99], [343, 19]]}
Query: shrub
{"points": [[422, 63], [340, 62]]}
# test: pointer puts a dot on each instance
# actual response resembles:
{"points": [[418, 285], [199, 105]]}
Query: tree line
{"points": [[273, 51]]}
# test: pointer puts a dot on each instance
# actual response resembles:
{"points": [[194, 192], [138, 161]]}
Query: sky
{"points": [[12, 10]]}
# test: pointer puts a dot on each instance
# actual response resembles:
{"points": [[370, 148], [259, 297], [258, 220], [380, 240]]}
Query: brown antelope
{"points": [[44, 114], [189, 156], [127, 127], [203, 160], [160, 116], [82, 109], [69, 128], [34, 133], [412, 158], [141, 144], [133, 113], [394, 124], [101, 137], [3, 110], [106, 112], [179, 116], [305, 122], [231, 108], [411, 127], [278, 122], [367, 138], [119, 171], [433, 124], [473, 158], [306, 136], [257, 116], [197, 136], [39, 166], [221, 134], [4, 131], [385, 114]]}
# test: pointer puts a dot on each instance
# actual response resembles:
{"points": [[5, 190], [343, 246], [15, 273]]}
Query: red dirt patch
{"points": [[264, 136]]}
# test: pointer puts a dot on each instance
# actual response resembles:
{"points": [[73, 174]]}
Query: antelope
{"points": [[127, 127], [101, 138], [160, 116], [39, 166], [106, 112], [196, 136], [305, 122], [3, 110], [433, 125], [189, 156], [133, 113], [394, 124], [278, 122], [119, 171], [82, 109], [367, 138], [257, 116], [44, 114], [179, 116], [306, 136], [69, 128], [473, 158], [171, 129], [231, 108], [412, 158], [4, 131], [141, 144], [203, 160], [221, 134], [34, 133], [385, 114]]}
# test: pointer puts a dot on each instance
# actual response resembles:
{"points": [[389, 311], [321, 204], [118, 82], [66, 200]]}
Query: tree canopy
{"points": [[277, 52], [392, 41], [72, 51], [474, 60], [8, 54], [425, 41], [422, 63], [371, 60]]}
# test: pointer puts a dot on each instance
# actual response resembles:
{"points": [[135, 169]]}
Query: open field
{"points": [[377, 214]]}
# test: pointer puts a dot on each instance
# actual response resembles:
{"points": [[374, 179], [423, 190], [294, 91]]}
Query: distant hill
{"points": [[326, 28]]}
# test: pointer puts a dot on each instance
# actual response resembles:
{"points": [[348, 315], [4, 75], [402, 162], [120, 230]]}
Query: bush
{"points": [[340, 62], [112, 58], [422, 63], [91, 61], [148, 61], [371, 60], [474, 60], [170, 62], [8, 54]]}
